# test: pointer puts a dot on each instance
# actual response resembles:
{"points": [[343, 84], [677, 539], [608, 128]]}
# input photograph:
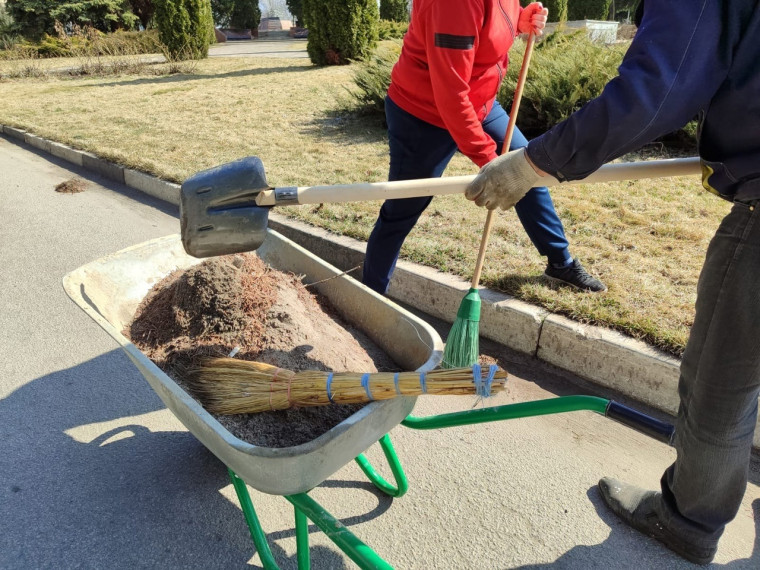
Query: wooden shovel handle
{"points": [[368, 191]]}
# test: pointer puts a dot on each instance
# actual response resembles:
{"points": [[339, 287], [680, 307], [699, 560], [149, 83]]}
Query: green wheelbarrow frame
{"points": [[307, 508]]}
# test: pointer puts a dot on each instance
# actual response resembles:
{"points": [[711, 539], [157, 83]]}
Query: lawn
{"points": [[645, 239]]}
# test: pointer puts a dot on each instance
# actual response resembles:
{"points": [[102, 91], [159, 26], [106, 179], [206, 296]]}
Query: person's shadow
{"points": [[623, 548], [74, 495]]}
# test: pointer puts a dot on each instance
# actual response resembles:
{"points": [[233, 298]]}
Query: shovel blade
{"points": [[218, 211]]}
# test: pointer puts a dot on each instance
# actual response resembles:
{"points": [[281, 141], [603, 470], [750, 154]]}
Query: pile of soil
{"points": [[239, 302]]}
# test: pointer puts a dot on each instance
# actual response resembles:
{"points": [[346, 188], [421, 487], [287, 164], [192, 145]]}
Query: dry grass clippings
{"points": [[73, 186]]}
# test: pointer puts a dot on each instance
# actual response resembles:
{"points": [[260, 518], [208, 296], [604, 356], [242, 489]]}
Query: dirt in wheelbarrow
{"points": [[239, 302]]}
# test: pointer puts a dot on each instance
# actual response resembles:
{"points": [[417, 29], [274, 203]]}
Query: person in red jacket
{"points": [[442, 97]]}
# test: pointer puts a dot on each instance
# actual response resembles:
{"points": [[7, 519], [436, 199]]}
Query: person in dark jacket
{"points": [[442, 98], [686, 59]]}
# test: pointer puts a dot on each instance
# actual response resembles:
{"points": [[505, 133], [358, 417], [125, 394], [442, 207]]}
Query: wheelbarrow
{"points": [[110, 289]]}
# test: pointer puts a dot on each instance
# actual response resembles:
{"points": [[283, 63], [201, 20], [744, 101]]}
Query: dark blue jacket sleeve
{"points": [[675, 64]]}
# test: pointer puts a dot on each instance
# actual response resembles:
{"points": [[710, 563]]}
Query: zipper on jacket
{"points": [[509, 22]]}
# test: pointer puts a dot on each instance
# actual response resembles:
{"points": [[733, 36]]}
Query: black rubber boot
{"points": [[638, 508]]}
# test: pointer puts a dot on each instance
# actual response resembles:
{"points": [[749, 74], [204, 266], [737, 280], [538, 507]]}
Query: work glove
{"points": [[503, 181], [532, 19]]}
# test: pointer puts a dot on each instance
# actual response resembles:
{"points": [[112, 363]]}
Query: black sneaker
{"points": [[638, 508], [575, 275]]}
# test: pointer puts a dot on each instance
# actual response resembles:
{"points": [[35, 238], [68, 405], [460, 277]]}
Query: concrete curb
{"points": [[602, 356]]}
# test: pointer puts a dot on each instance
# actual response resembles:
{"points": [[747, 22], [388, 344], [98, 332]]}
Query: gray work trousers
{"points": [[718, 387]]}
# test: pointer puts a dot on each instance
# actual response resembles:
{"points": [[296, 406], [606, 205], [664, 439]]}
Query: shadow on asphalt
{"points": [[129, 498], [624, 539]]}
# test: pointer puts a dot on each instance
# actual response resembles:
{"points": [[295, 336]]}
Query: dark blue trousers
{"points": [[421, 150]]}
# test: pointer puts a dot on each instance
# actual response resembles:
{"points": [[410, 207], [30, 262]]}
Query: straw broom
{"points": [[462, 344], [231, 386]]}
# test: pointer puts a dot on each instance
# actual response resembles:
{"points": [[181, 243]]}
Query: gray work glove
{"points": [[503, 181]]}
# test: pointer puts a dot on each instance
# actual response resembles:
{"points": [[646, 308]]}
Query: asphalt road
{"points": [[96, 473]]}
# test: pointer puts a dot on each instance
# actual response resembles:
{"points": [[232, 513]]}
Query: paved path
{"points": [[284, 47], [96, 473]]}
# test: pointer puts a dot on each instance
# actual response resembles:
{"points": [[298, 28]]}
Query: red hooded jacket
{"points": [[452, 63]]}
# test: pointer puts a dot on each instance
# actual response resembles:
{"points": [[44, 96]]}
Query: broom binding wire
{"points": [[231, 386]]}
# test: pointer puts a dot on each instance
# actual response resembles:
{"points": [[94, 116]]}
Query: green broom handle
{"points": [[504, 148]]}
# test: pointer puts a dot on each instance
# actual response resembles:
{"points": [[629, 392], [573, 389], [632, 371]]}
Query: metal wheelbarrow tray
{"points": [[110, 289]]}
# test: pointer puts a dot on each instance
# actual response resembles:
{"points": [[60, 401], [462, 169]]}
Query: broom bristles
{"points": [[463, 343], [230, 386]]}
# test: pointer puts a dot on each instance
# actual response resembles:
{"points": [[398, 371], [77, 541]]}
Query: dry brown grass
{"points": [[645, 239]]}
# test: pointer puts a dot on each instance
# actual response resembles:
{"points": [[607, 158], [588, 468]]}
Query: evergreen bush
{"points": [[557, 9], [143, 9], [34, 18], [566, 71], [103, 15], [390, 30], [246, 15], [295, 7], [340, 31], [184, 28], [373, 78], [394, 10], [221, 12], [588, 9], [85, 42]]}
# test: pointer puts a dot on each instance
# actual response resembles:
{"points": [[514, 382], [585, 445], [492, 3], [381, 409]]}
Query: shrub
{"points": [[6, 22], [246, 15], [295, 7], [566, 71], [340, 30], [390, 30], [373, 78], [557, 9], [184, 28], [31, 17], [221, 11], [394, 10], [34, 18], [103, 15], [144, 10], [588, 9], [85, 42]]}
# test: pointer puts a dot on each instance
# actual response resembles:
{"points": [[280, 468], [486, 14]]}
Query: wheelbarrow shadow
{"points": [[97, 474], [623, 548]]}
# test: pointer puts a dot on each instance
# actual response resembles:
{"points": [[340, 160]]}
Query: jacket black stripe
{"points": [[454, 42]]}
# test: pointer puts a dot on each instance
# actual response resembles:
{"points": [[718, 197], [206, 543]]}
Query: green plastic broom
{"points": [[462, 344]]}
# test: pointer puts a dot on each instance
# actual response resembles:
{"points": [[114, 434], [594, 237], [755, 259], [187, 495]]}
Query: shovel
{"points": [[225, 209]]}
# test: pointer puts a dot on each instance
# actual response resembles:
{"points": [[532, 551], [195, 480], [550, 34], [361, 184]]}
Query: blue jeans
{"points": [[421, 150], [719, 386]]}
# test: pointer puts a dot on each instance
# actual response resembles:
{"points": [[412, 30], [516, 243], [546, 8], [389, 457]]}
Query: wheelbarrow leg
{"points": [[257, 533], [306, 508], [302, 540], [402, 484]]}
